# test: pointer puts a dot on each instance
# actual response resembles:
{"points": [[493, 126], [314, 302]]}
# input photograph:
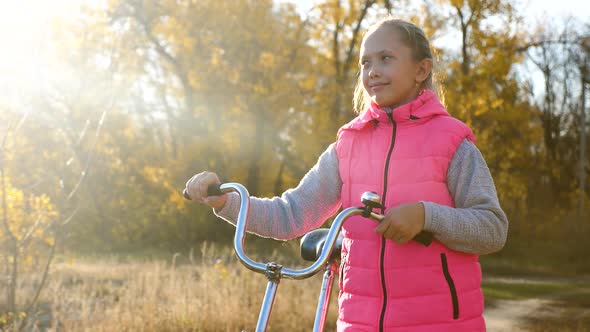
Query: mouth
{"points": [[377, 86]]}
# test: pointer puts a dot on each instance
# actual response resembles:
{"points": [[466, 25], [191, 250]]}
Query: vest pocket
{"points": [[451, 283]]}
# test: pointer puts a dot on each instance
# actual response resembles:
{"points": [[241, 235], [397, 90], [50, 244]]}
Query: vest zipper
{"points": [[384, 196]]}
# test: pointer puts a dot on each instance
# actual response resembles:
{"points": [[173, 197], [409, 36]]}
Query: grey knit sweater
{"points": [[475, 225]]}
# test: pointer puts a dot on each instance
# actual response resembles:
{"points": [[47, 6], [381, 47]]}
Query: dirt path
{"points": [[509, 315]]}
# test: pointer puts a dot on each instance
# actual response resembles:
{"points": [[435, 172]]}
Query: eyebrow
{"points": [[378, 53]]}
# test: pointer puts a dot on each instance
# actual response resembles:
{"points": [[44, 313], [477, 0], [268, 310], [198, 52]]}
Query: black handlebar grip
{"points": [[424, 237], [186, 195], [212, 190]]}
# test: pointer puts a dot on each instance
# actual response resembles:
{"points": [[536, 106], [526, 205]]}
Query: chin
{"points": [[382, 102]]}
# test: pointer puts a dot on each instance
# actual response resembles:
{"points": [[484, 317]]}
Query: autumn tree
{"points": [[141, 95], [560, 55], [27, 238]]}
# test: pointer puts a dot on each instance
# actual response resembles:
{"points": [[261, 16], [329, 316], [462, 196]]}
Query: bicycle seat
{"points": [[313, 242]]}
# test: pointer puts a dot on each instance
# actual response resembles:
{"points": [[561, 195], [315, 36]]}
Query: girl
{"points": [[431, 177]]}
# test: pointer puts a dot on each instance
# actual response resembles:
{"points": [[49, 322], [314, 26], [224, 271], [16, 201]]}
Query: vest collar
{"points": [[425, 106]]}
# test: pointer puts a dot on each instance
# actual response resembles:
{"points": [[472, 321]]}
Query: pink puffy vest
{"points": [[389, 287]]}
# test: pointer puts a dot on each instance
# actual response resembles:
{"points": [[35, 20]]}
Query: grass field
{"points": [[215, 293]]}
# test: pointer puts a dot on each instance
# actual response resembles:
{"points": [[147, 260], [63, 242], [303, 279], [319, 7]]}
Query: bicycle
{"points": [[321, 246]]}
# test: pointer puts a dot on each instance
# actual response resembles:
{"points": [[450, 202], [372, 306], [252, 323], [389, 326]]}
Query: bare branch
{"points": [[66, 221], [23, 242], [355, 33], [40, 286], [9, 233], [90, 154], [540, 43]]}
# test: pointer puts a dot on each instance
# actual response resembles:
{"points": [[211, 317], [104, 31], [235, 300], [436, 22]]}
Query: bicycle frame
{"points": [[275, 272]]}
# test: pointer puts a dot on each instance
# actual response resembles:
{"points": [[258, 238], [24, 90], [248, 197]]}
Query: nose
{"points": [[373, 72]]}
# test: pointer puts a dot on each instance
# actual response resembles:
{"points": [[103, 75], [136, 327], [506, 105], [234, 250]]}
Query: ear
{"points": [[423, 70]]}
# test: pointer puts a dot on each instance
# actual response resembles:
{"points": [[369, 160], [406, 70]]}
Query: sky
{"points": [[531, 8]]}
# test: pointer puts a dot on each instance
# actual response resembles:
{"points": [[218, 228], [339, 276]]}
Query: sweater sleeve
{"points": [[477, 224], [298, 210]]}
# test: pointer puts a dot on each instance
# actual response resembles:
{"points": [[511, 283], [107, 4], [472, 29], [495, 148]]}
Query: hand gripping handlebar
{"points": [[369, 199]]}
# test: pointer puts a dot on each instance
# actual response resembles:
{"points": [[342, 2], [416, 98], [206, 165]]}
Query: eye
{"points": [[364, 62], [387, 57]]}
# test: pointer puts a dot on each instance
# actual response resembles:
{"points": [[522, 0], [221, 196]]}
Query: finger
{"points": [[195, 187], [188, 183], [390, 232], [202, 186], [190, 188], [385, 229], [381, 227]]}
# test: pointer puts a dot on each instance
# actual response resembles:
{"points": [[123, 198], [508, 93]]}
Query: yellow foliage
{"points": [[216, 56], [28, 219], [27, 215], [497, 103], [252, 89], [176, 200], [155, 175], [267, 60], [308, 82]]}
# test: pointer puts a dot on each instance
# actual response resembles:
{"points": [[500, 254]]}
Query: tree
{"points": [[481, 88], [560, 55], [26, 233]]}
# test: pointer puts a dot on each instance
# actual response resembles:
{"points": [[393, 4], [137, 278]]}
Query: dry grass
{"points": [[216, 294]]}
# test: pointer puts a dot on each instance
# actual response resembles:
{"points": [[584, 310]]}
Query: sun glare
{"points": [[23, 34]]}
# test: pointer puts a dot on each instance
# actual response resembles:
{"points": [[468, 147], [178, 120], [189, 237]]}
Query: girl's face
{"points": [[388, 70]]}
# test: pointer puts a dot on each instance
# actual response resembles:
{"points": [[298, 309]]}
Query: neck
{"points": [[417, 91]]}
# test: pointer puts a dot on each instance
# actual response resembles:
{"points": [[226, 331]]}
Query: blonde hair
{"points": [[411, 36]]}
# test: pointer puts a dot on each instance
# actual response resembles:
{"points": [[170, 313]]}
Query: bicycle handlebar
{"points": [[212, 190], [242, 223]]}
